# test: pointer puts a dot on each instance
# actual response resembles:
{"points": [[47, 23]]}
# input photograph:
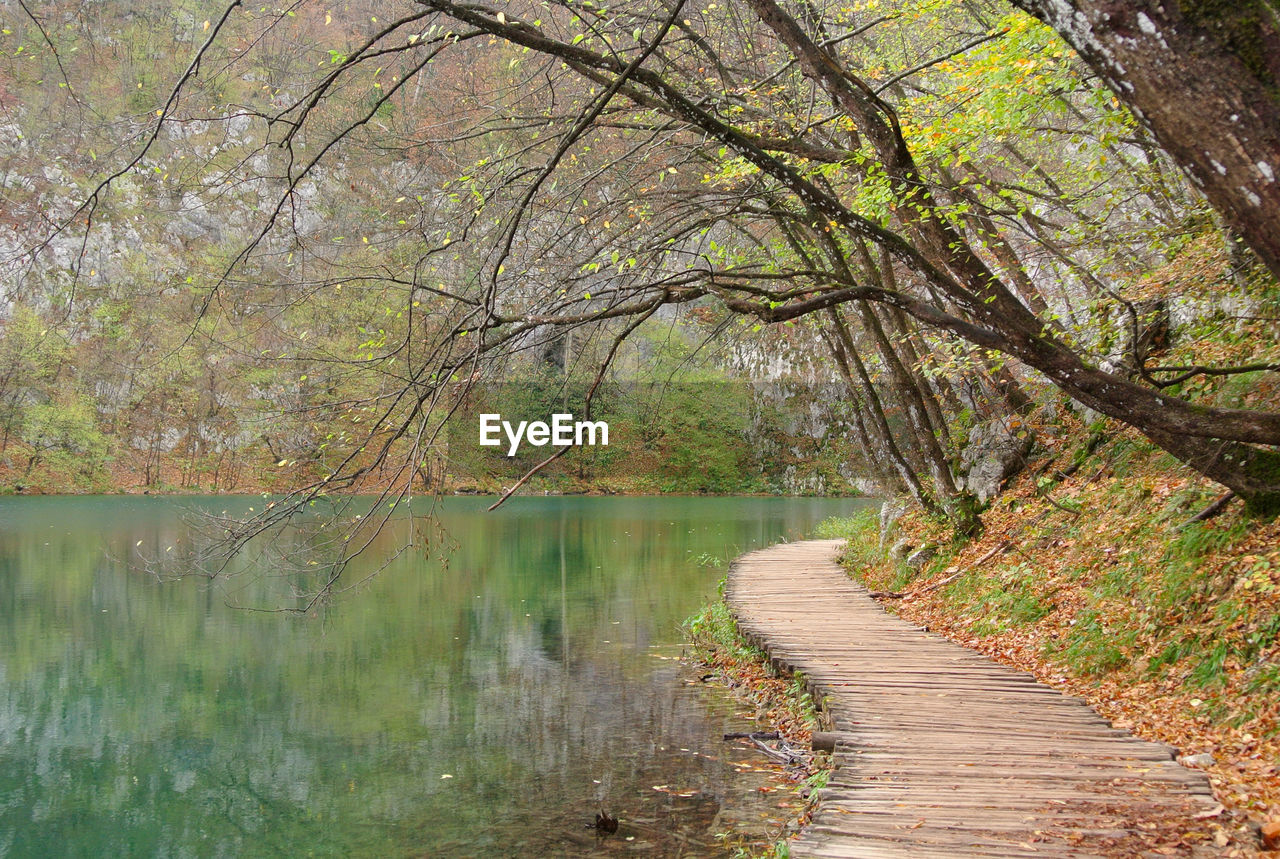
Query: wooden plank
{"points": [[940, 751]]}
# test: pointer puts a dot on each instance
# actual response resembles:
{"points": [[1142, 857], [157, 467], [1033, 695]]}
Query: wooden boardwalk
{"points": [[940, 751]]}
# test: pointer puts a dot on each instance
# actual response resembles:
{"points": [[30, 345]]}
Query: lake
{"points": [[486, 701]]}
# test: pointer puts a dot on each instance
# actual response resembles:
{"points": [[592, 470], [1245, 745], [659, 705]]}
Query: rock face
{"points": [[899, 550], [995, 453], [921, 556], [890, 512]]}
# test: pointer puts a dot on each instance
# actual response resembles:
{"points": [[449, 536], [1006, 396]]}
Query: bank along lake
{"points": [[485, 704]]}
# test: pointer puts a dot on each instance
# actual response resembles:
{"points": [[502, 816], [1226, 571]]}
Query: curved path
{"points": [[940, 751]]}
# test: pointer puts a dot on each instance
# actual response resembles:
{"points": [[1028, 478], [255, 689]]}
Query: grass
{"points": [[862, 553], [1094, 645], [848, 527], [777, 850], [1007, 601], [713, 631]]}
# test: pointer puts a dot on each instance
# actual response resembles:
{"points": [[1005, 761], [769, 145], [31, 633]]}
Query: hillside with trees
{"points": [[342, 222], [145, 348]]}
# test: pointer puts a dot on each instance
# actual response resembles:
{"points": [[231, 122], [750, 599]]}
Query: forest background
{"points": [[225, 236]]}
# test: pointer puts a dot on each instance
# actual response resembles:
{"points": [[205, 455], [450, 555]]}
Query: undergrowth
{"points": [[1169, 625], [783, 701], [715, 636]]}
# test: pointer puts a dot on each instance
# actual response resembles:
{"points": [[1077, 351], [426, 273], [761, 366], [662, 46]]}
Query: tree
{"points": [[958, 291], [786, 163], [1205, 78]]}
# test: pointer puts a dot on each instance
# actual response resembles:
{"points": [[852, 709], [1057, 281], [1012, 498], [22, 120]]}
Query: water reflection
{"points": [[485, 707]]}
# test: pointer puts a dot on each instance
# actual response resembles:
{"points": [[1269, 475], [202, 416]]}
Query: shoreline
{"points": [[747, 673], [246, 492]]}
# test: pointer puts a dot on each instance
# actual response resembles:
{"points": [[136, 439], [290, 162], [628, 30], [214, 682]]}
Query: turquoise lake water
{"points": [[480, 702]]}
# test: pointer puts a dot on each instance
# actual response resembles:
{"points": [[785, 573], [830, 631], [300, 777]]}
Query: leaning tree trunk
{"points": [[1205, 78], [923, 434], [919, 423], [867, 399], [1232, 446]]}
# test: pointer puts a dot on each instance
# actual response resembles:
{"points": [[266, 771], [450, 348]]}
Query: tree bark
{"points": [[1204, 76]]}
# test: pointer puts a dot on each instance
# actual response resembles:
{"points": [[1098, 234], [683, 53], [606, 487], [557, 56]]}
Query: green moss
{"points": [[1263, 505], [1264, 470]]}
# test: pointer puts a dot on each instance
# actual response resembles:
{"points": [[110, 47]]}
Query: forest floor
{"points": [[1091, 574]]}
